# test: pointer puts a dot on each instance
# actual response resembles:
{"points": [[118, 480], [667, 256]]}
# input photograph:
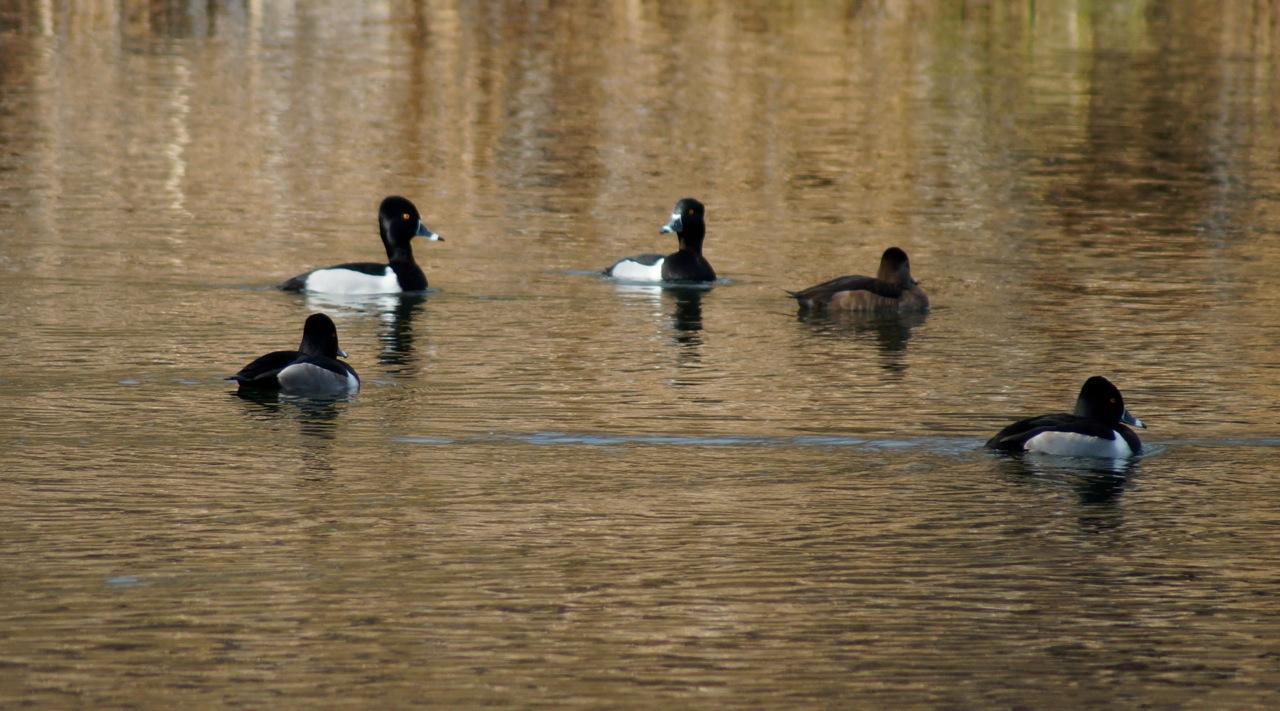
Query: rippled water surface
{"points": [[556, 490]]}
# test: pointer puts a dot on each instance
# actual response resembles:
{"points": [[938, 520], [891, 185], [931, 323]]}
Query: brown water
{"points": [[558, 491]]}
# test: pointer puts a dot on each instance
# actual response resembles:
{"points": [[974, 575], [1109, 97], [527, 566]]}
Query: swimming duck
{"points": [[891, 289], [312, 370], [685, 265], [1095, 429], [398, 223]]}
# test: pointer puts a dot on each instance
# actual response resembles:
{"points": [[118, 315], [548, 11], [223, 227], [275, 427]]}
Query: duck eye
{"points": [[689, 212], [406, 217]]}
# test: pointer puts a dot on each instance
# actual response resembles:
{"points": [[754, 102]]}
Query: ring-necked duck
{"points": [[399, 223], [1095, 429], [685, 264], [313, 369], [892, 289]]}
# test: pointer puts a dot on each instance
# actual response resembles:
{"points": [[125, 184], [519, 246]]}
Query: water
{"points": [[559, 491]]}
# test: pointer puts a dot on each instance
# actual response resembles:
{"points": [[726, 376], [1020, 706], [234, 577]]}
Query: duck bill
{"points": [[427, 234], [673, 226], [342, 353], [1131, 420]]}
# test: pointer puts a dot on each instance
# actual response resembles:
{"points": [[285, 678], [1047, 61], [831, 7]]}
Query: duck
{"points": [[891, 289], [685, 265], [1097, 427], [312, 370], [398, 223]]}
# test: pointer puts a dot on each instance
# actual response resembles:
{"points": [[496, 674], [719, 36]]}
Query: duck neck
{"points": [[319, 346], [691, 240], [398, 251], [900, 276], [1089, 413], [400, 254]]}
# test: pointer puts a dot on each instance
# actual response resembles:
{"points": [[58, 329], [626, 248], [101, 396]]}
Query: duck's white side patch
{"points": [[347, 281], [1072, 444], [311, 379], [635, 271]]}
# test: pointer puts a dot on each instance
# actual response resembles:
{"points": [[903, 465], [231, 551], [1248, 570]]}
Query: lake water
{"points": [[558, 491]]}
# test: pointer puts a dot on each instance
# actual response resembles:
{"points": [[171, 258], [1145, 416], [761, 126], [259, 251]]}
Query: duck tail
{"points": [[804, 301]]}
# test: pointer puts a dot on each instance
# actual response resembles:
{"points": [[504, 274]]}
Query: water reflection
{"points": [[315, 417], [683, 304], [891, 331], [395, 312], [178, 19], [316, 420], [1094, 480], [686, 314], [397, 333]]}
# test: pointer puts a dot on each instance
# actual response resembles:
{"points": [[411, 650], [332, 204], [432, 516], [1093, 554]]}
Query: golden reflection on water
{"points": [[557, 489]]}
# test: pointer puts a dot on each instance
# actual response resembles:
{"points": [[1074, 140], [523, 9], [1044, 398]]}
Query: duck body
{"points": [[318, 376], [642, 267], [398, 223], [360, 278], [892, 289], [685, 265], [1096, 428], [312, 370]]}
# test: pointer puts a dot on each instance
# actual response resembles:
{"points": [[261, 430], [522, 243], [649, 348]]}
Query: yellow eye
{"points": [[689, 212], [406, 217]]}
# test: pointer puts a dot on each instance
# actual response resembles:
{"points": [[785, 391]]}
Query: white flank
{"points": [[309, 379], [635, 271], [1071, 444], [347, 281]]}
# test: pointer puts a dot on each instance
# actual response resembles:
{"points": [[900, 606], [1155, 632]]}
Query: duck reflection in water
{"points": [[891, 331], [684, 303], [686, 314], [315, 417], [1096, 483], [317, 422], [396, 313], [397, 333]]}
